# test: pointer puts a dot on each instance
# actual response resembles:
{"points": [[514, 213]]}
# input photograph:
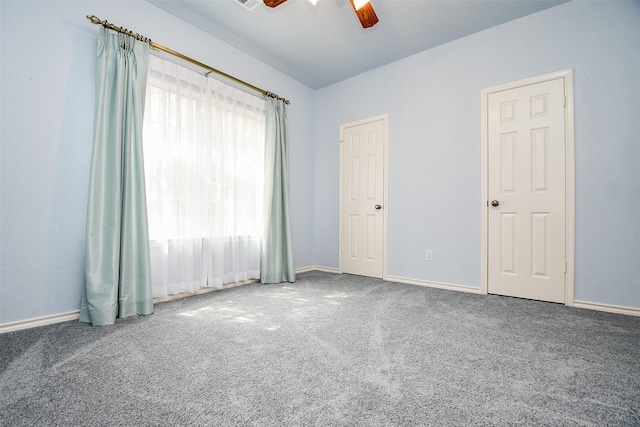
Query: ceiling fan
{"points": [[363, 9]]}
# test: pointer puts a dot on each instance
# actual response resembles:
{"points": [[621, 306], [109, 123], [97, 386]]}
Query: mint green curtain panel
{"points": [[118, 278], [277, 253]]}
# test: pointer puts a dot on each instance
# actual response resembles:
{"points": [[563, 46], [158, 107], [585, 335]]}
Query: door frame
{"points": [[567, 76], [385, 187]]}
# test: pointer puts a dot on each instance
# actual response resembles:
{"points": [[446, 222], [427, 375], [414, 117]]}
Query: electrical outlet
{"points": [[429, 256]]}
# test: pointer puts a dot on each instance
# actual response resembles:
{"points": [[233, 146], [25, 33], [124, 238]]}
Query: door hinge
{"points": [[565, 267], [564, 101]]}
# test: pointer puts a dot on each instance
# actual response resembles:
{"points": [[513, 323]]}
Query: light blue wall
{"points": [[47, 86], [433, 102]]}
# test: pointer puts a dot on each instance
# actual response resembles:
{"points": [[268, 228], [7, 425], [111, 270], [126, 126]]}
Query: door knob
{"points": [[495, 203], [378, 207]]}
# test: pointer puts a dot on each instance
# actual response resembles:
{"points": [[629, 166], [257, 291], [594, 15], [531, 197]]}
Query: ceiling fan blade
{"points": [[366, 15], [273, 3]]}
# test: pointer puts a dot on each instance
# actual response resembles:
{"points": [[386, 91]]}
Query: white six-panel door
{"points": [[526, 191], [362, 197]]}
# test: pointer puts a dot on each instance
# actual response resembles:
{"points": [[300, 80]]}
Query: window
{"points": [[203, 148]]}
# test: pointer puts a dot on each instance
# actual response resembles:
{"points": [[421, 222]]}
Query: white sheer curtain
{"points": [[204, 153]]}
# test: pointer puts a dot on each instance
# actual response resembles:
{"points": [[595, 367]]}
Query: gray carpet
{"points": [[329, 350]]}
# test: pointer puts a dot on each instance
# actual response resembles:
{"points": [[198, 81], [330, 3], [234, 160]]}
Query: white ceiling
{"points": [[324, 44]]}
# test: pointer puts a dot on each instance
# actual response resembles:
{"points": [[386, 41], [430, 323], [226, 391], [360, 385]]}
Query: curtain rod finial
{"points": [[94, 19]]}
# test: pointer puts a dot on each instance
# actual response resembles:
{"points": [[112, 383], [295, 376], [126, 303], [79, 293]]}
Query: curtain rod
{"points": [[95, 20]]}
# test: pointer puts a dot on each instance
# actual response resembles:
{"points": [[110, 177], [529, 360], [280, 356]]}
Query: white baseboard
{"points": [[39, 321], [317, 268], [203, 291], [75, 315], [439, 285], [418, 282], [629, 311]]}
